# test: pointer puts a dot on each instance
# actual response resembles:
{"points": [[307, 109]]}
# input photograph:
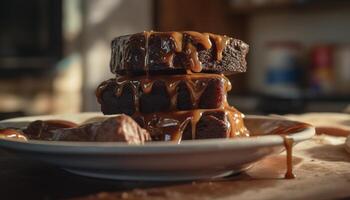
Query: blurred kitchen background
{"points": [[53, 53]]}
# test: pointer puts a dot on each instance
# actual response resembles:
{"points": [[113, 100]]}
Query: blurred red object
{"points": [[322, 68]]}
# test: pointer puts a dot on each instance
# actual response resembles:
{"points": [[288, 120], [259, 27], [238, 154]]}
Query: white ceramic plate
{"points": [[199, 159]]}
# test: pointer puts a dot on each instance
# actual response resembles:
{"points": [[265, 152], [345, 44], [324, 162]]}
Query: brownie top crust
{"points": [[177, 53]]}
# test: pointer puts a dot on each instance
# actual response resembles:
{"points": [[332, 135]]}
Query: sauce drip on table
{"points": [[288, 144], [332, 131], [284, 130]]}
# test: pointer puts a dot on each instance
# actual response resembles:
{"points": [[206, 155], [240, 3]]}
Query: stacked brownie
{"points": [[174, 85]]}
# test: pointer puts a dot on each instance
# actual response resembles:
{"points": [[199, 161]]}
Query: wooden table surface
{"points": [[322, 167]]}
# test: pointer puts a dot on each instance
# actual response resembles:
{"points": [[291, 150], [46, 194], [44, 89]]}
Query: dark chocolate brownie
{"points": [[158, 99], [211, 124], [176, 53], [113, 104]]}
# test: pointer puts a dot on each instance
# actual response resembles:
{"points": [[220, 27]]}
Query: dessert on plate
{"points": [[174, 84], [168, 86]]}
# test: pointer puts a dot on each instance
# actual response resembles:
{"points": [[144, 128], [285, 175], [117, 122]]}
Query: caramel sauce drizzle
{"points": [[177, 37], [204, 40], [177, 135], [194, 82], [197, 114], [220, 43], [201, 38], [196, 88], [196, 65], [147, 35], [235, 118], [135, 86], [171, 88], [288, 143], [190, 49]]}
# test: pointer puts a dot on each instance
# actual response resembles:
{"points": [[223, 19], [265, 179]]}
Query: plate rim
{"points": [[153, 147]]}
